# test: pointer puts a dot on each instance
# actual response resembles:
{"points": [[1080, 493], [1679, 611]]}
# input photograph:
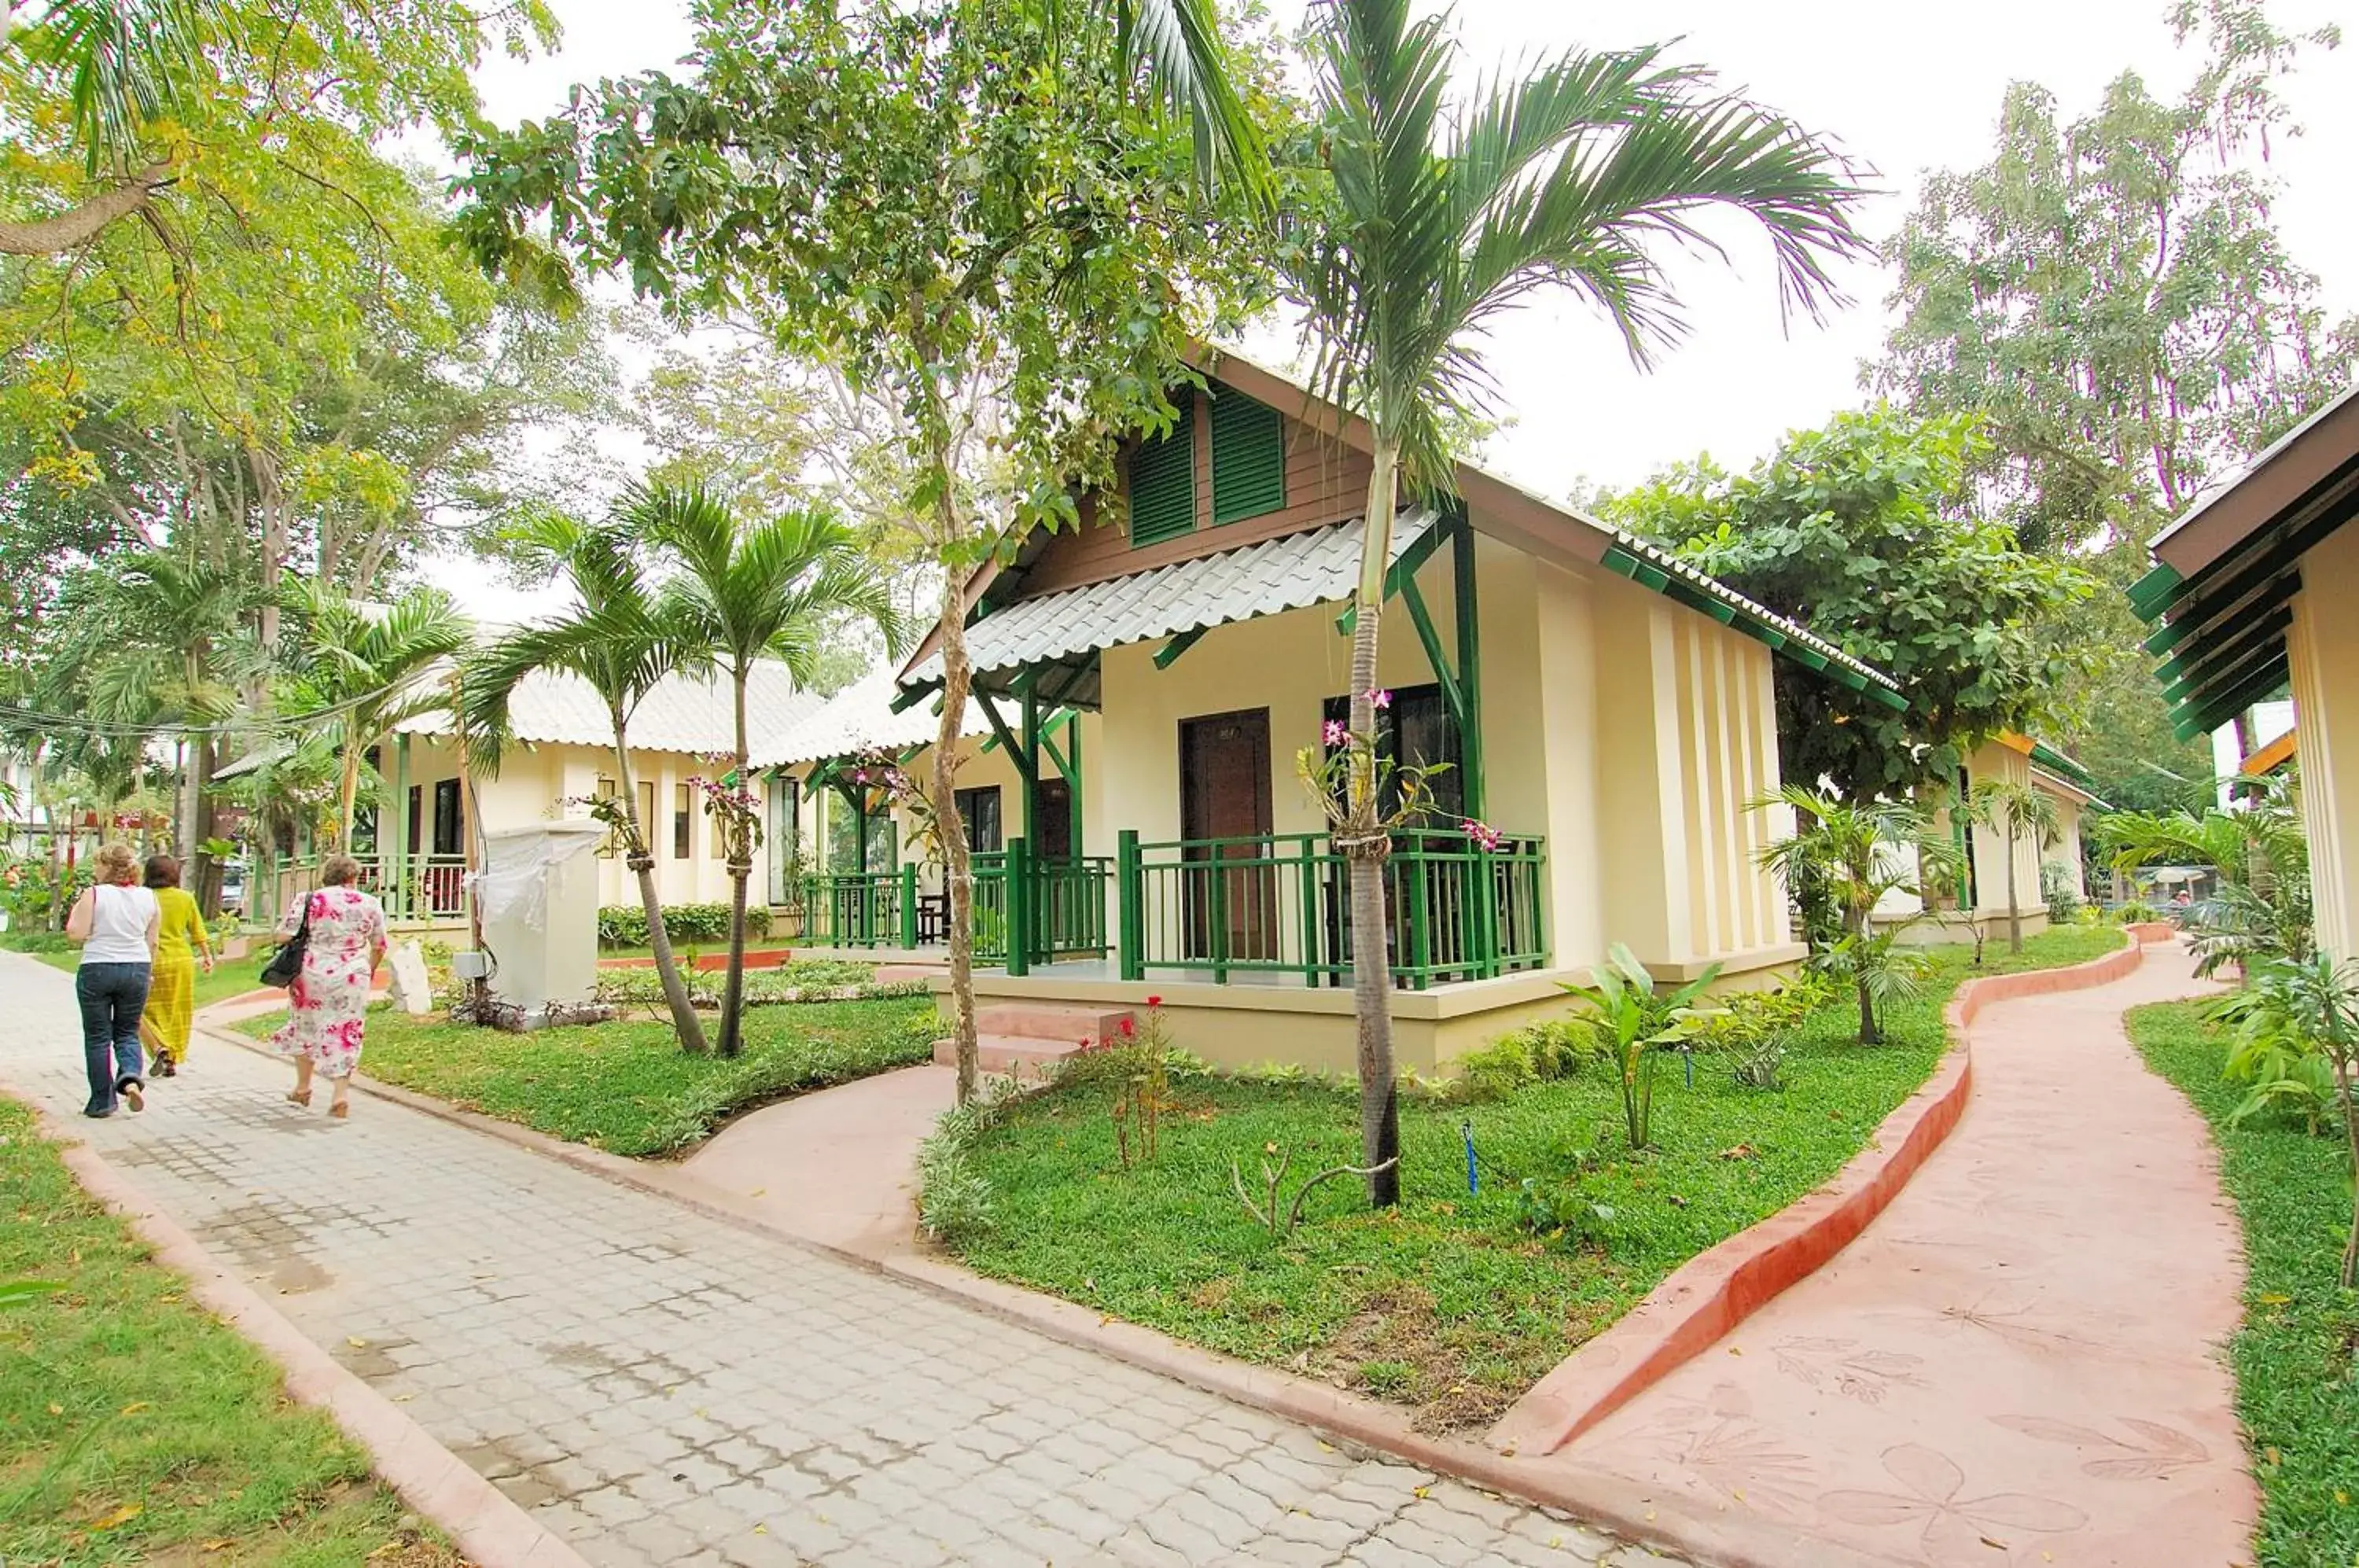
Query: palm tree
{"points": [[1176, 44], [622, 638], [770, 589], [1443, 218], [1857, 853], [2263, 908], [164, 647], [2014, 811], [362, 671]]}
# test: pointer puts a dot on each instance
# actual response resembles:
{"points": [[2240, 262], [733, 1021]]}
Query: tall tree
{"points": [[2111, 294], [622, 638], [1865, 532], [977, 227], [1441, 220], [777, 587], [361, 670]]}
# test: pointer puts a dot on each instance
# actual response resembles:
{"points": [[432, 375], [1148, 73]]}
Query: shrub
{"points": [[954, 1197], [625, 925], [2061, 892]]}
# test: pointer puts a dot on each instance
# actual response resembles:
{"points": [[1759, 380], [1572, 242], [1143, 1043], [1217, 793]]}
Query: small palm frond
{"points": [[127, 62], [1177, 43]]}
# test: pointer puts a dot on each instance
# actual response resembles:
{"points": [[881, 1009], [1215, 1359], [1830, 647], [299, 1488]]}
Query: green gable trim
{"points": [[1684, 585], [2153, 592], [2056, 762], [1248, 458], [1162, 483]]}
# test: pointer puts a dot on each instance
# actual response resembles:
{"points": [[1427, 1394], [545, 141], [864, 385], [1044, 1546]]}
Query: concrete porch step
{"points": [[1004, 1055], [1070, 1027], [890, 974]]}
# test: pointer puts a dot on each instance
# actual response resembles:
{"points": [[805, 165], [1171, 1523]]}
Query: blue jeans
{"points": [[112, 997]]}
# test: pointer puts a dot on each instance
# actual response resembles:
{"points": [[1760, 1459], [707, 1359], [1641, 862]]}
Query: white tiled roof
{"points": [[860, 718], [1291, 572], [685, 713]]}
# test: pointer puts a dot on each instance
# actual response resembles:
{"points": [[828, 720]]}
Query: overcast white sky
{"points": [[1904, 88]]}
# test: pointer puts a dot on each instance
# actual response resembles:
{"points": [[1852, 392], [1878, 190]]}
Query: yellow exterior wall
{"points": [[1631, 732], [534, 780], [2323, 644]]}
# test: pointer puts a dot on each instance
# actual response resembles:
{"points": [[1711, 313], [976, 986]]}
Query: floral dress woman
{"points": [[328, 1001]]}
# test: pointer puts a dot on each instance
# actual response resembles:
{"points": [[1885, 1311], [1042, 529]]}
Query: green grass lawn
{"points": [[2296, 1384], [627, 1087], [1448, 1303], [137, 1428]]}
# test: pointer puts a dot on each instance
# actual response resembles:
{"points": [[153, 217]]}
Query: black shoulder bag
{"points": [[288, 962]]}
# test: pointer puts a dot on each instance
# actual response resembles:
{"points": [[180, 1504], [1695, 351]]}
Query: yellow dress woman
{"points": [[181, 942]]}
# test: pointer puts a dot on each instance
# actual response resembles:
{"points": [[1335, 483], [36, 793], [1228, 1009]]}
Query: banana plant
{"points": [[1634, 1024]]}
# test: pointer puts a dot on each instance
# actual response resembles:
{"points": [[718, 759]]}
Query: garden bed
{"points": [[137, 1428], [1458, 1300], [2297, 1385], [627, 1087]]}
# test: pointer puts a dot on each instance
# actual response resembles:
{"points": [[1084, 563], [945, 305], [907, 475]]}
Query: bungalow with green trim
{"points": [[1606, 706], [2242, 599]]}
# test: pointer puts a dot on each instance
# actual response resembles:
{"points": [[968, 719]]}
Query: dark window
{"points": [[1416, 731], [1248, 458], [1163, 482], [978, 809], [416, 822], [683, 812], [446, 817], [1052, 820]]}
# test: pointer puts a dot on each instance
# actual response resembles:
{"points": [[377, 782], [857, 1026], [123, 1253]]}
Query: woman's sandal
{"points": [[300, 1097], [341, 1110]]}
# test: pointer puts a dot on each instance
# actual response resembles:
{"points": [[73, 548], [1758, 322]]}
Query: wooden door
{"points": [[1224, 793]]}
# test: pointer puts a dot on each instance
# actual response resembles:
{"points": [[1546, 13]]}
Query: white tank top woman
{"points": [[119, 918]]}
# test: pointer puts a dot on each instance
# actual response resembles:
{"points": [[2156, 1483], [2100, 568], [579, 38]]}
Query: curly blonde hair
{"points": [[116, 863]]}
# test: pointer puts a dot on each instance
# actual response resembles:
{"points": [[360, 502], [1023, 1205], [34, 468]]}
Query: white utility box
{"points": [[538, 896]]}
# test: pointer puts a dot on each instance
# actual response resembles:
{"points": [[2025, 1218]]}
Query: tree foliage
{"points": [[2111, 292], [1864, 532], [962, 208]]}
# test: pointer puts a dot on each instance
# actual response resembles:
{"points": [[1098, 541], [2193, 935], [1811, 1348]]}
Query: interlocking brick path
{"points": [[664, 1389]]}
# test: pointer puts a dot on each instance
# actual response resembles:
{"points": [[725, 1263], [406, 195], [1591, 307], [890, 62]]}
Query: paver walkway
{"points": [[834, 1166], [2015, 1364], [666, 1390]]}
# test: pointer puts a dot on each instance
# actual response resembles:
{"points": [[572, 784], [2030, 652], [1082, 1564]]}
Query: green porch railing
{"points": [[1062, 903], [415, 890], [1281, 904]]}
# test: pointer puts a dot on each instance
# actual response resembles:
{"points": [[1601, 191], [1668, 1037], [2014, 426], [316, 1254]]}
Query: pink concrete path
{"points": [[2018, 1361], [835, 1167]]}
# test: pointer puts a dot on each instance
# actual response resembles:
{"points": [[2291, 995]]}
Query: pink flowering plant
{"points": [[880, 770], [736, 813], [624, 830], [1327, 771]]}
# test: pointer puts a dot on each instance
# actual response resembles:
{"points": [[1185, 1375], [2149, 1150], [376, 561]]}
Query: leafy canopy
{"points": [[1864, 532]]}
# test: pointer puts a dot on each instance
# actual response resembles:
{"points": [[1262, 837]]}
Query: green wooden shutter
{"points": [[1248, 458], [1163, 482]]}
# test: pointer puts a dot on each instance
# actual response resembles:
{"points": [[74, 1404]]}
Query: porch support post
{"points": [[396, 814], [1019, 907], [1130, 898], [1469, 662], [908, 905]]}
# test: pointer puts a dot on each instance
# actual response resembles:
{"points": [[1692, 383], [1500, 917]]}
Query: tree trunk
{"points": [[1364, 852], [643, 865], [78, 225], [348, 791], [2014, 915], [958, 864], [732, 984], [1862, 924]]}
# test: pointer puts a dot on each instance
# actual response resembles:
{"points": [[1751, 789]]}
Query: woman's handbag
{"points": [[288, 962]]}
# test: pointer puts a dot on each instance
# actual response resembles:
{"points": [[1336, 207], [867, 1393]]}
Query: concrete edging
{"points": [[1710, 1294], [487, 1526]]}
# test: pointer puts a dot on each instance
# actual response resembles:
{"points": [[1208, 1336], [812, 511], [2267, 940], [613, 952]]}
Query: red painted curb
{"points": [[1713, 1291], [708, 962], [487, 1528]]}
